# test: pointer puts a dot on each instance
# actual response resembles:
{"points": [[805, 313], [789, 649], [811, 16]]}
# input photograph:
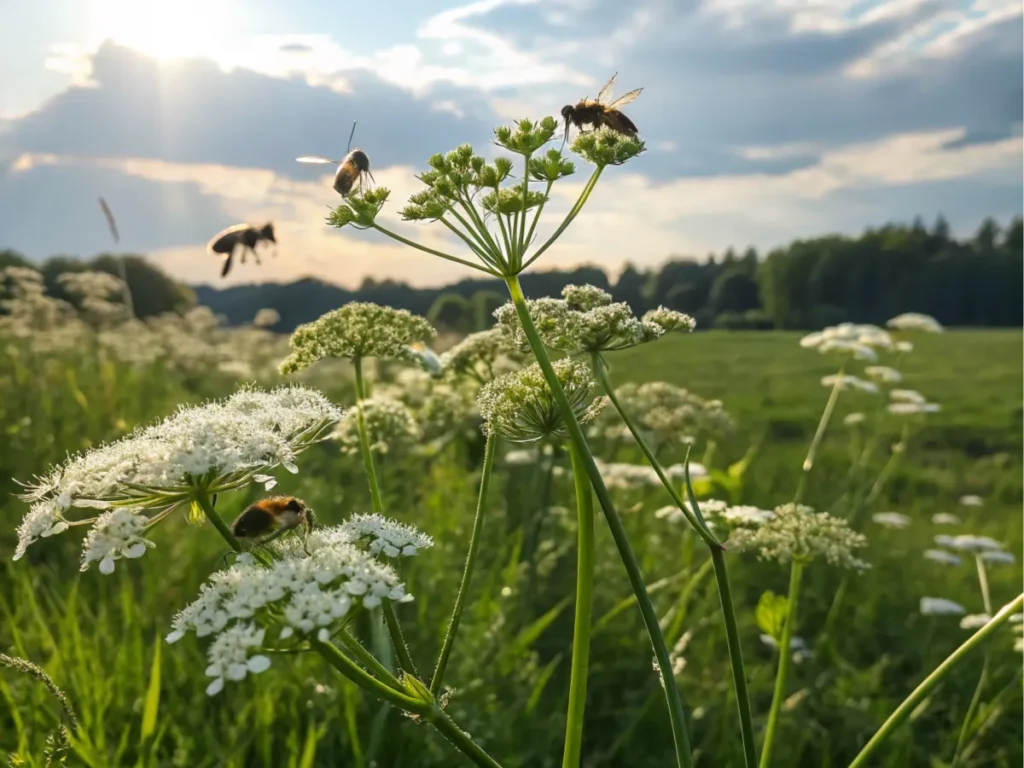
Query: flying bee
{"points": [[227, 241], [350, 169], [599, 112], [269, 518]]}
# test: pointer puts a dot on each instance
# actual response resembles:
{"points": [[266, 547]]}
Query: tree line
{"points": [[974, 281]]}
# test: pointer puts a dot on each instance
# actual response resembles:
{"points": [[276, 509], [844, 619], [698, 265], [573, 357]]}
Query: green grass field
{"points": [[141, 702]]}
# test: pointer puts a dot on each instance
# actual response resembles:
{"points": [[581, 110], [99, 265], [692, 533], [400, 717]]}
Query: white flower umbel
{"points": [[971, 500], [626, 476], [670, 320], [390, 426], [891, 519], [942, 556], [115, 534], [849, 340], [222, 445], [385, 536], [309, 595], [998, 556], [357, 330], [909, 402], [42, 521], [975, 621], [915, 321], [521, 408], [798, 533], [945, 518], [968, 542], [478, 354], [940, 606], [847, 381], [667, 414], [852, 419], [883, 374]]}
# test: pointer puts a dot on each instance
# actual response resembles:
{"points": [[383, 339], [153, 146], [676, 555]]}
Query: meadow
{"points": [[141, 702]]}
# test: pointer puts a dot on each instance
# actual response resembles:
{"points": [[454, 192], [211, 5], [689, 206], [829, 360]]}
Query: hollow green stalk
{"points": [[394, 628], [779, 695], [909, 704], [573, 213], [972, 708], [680, 735], [431, 251], [721, 571], [584, 605], [819, 434], [467, 571]]}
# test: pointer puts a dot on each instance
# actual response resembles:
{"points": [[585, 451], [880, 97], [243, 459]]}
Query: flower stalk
{"points": [[819, 434], [779, 695], [972, 708]]}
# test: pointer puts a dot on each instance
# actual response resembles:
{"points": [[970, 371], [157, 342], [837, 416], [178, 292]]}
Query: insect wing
{"points": [[317, 159], [626, 98], [606, 90]]}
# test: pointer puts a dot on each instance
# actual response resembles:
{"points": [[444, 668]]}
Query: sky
{"points": [[764, 121]]}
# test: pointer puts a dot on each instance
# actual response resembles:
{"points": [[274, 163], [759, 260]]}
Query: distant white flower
{"points": [[746, 515], [942, 556], [390, 426], [266, 317], [891, 519], [971, 501], [796, 643], [521, 457], [907, 396], [908, 402], [975, 621], [387, 537], [904, 346], [1016, 618], [115, 534], [915, 321], [969, 542], [477, 354], [670, 320], [849, 348], [847, 381], [937, 606], [42, 521], [854, 418], [850, 339], [883, 374], [998, 556], [945, 518]]}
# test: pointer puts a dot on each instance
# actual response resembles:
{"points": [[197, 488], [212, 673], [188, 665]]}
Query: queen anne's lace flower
{"points": [[891, 519], [852, 419], [910, 402], [944, 518], [883, 374], [998, 556], [915, 321], [42, 521], [847, 381], [355, 331], [968, 542], [310, 586], [479, 353], [390, 425], [387, 537], [942, 556], [797, 532], [115, 534], [670, 320], [971, 501], [850, 340], [975, 621], [667, 414], [939, 606], [521, 408]]}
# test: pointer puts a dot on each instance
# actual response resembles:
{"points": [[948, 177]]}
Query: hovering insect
{"points": [[350, 169], [246, 235], [271, 517], [599, 112]]}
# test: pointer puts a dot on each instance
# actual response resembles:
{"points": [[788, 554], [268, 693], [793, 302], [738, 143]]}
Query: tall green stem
{"points": [[721, 572], [584, 605], [675, 704], [819, 433], [573, 213], [902, 712], [784, 655], [972, 708], [467, 571], [202, 498]]}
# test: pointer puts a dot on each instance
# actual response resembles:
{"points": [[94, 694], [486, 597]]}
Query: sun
{"points": [[163, 29]]}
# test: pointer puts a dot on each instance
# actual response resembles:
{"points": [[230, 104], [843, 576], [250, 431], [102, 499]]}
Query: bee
{"points": [[428, 358], [350, 170], [599, 112], [227, 241], [269, 518]]}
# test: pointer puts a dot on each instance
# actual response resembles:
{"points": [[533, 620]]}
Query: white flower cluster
{"points": [[910, 402], [670, 320], [385, 536], [521, 407], [940, 606], [985, 547], [583, 321], [667, 414], [849, 340], [915, 321], [720, 513], [390, 425], [225, 442], [357, 330], [883, 374], [298, 595], [116, 534], [797, 532], [891, 519], [266, 318], [482, 355], [847, 381]]}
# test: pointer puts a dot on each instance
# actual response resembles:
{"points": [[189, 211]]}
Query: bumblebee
{"points": [[599, 112], [269, 518], [350, 169], [225, 242]]}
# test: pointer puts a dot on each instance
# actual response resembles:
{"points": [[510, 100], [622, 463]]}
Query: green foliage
{"points": [[771, 614]]}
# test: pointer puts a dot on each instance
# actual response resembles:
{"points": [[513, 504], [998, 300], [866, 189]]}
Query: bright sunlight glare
{"points": [[163, 28]]}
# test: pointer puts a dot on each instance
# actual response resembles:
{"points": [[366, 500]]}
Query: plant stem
{"points": [[573, 213], [364, 439], [902, 712], [972, 708], [202, 498], [732, 634], [460, 739], [397, 638], [675, 704], [784, 654], [584, 605], [368, 659], [431, 251], [520, 236], [333, 656], [467, 571], [818, 435], [721, 572], [897, 451]]}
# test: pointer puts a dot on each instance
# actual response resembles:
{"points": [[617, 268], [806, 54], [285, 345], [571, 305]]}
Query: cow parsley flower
{"points": [[849, 340], [387, 537], [479, 353], [357, 330], [891, 519], [266, 318], [306, 591], [944, 518], [940, 606], [883, 374], [942, 556], [42, 521], [909, 402], [847, 381], [915, 321], [968, 542], [998, 556], [797, 532], [975, 621], [668, 414], [115, 534], [390, 425], [971, 501], [521, 408], [670, 320], [852, 419]]}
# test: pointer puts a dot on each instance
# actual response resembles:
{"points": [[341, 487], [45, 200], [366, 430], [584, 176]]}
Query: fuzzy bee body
{"points": [[598, 112], [271, 515], [350, 169], [227, 241]]}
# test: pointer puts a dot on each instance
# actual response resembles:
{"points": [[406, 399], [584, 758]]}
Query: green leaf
{"points": [[309, 747], [771, 614], [541, 684], [151, 706]]}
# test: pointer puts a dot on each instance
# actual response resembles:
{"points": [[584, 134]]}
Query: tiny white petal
{"points": [[236, 672], [175, 636], [323, 635], [259, 663], [215, 687], [135, 550], [286, 633], [107, 565]]}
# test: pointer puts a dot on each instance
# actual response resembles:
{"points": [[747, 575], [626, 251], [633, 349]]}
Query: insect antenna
{"points": [[353, 133]]}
